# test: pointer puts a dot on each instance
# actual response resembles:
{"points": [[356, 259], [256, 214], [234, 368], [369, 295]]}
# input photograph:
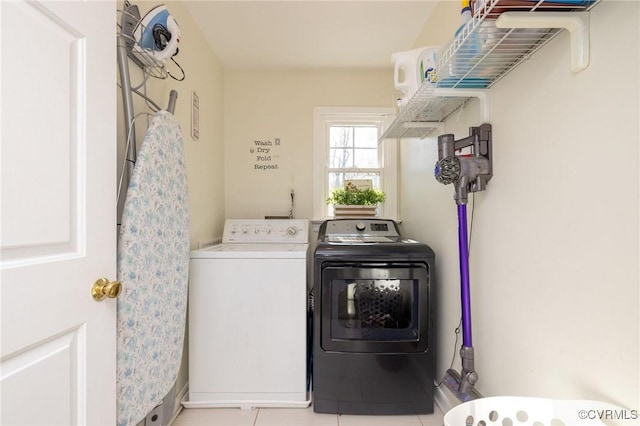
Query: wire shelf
{"points": [[479, 56], [488, 54]]}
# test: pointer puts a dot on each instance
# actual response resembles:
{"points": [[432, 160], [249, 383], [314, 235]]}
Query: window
{"points": [[346, 148]]}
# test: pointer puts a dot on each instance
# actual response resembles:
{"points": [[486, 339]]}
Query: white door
{"points": [[58, 234]]}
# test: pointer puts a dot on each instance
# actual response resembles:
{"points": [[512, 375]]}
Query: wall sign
{"points": [[265, 154]]}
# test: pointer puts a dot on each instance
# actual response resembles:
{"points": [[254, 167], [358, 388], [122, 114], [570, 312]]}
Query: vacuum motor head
{"points": [[158, 33], [447, 170]]}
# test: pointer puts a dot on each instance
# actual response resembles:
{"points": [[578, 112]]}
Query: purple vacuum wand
{"points": [[468, 376], [465, 291], [469, 173]]}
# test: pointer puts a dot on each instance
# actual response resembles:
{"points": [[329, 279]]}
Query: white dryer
{"points": [[248, 317]]}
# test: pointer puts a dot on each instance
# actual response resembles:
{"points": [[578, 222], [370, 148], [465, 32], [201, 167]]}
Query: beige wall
{"points": [[441, 25], [203, 158], [264, 105], [554, 248]]}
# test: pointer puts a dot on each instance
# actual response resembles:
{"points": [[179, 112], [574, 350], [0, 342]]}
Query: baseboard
{"points": [[444, 399]]}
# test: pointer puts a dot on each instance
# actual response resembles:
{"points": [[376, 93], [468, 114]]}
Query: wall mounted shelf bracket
{"points": [[577, 23], [480, 94]]}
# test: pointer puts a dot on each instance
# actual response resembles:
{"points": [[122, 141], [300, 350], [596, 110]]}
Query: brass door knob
{"points": [[104, 288]]}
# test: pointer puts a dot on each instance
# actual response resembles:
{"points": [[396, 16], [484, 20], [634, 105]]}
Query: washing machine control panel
{"points": [[373, 227], [266, 231]]}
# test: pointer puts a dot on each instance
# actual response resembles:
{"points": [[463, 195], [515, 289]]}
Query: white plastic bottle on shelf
{"points": [[461, 68], [465, 14]]}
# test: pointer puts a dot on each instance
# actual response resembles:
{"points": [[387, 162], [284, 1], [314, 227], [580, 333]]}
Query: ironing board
{"points": [[153, 265]]}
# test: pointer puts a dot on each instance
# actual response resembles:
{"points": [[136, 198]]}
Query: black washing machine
{"points": [[373, 320]]}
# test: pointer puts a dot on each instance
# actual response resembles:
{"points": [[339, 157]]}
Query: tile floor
{"points": [[295, 417]]}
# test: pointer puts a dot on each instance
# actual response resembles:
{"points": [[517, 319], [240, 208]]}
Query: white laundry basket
{"points": [[524, 411]]}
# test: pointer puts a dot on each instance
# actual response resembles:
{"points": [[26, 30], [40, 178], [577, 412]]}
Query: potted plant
{"points": [[353, 201]]}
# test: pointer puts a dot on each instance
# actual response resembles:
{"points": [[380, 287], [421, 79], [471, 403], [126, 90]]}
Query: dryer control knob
{"points": [[292, 231], [360, 226]]}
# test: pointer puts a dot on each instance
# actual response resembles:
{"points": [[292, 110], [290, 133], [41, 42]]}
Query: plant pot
{"points": [[354, 211]]}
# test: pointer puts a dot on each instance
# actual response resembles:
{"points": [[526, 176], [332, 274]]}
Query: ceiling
{"points": [[250, 35]]}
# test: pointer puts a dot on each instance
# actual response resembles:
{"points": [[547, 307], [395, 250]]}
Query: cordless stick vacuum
{"points": [[468, 172]]}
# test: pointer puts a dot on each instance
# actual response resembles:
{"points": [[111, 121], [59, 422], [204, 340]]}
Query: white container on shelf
{"points": [[411, 68]]}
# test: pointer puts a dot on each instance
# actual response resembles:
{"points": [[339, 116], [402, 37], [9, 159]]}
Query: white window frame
{"points": [[323, 118]]}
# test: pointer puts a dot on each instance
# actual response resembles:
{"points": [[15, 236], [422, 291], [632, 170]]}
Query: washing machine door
{"points": [[376, 308]]}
